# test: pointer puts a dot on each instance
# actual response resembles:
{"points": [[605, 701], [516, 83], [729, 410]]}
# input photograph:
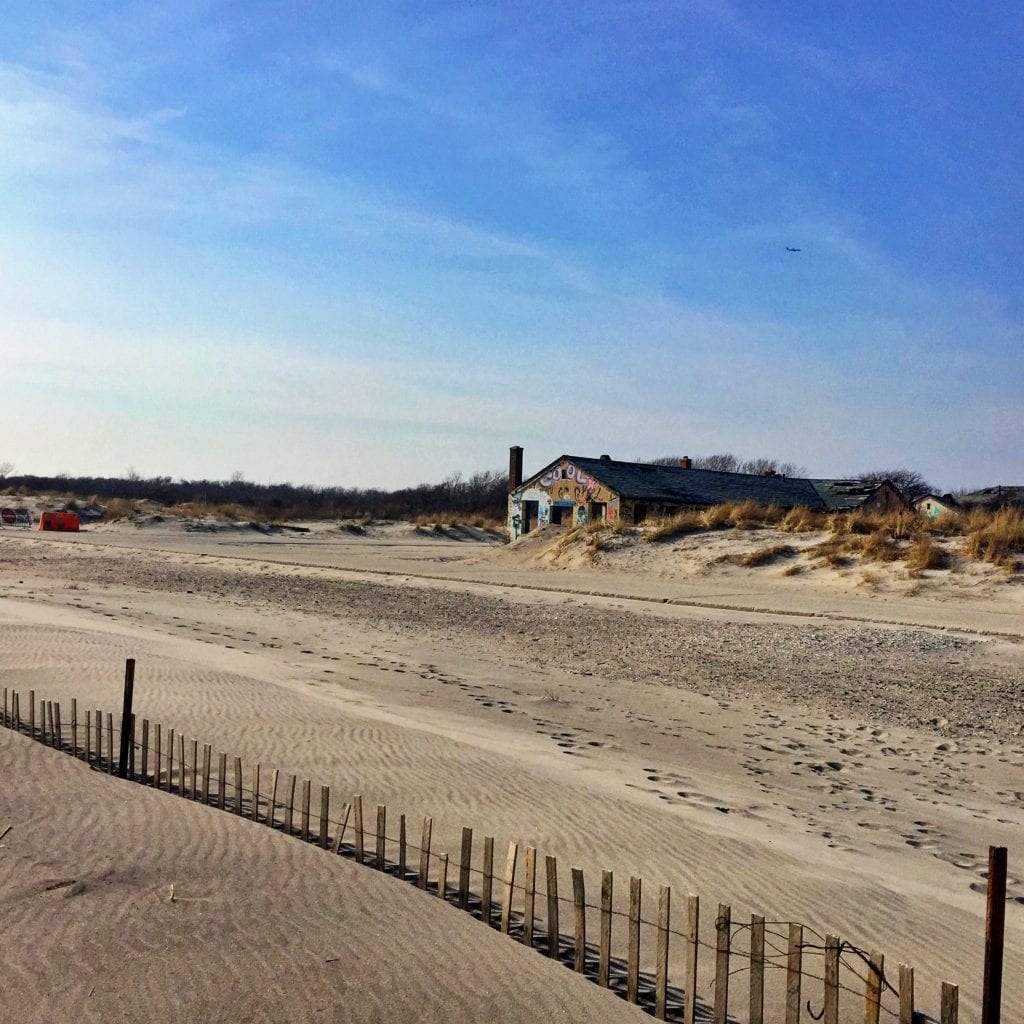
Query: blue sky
{"points": [[372, 248]]}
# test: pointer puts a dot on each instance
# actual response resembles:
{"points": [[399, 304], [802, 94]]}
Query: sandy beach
{"points": [[801, 748]]}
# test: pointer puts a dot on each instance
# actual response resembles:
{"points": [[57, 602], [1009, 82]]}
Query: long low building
{"points": [[576, 490]]}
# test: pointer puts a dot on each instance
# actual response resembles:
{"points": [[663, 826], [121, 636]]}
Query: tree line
{"points": [[480, 494]]}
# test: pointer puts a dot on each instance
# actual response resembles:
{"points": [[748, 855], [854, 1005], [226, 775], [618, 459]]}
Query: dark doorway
{"points": [[561, 514], [639, 513], [598, 511], [530, 515]]}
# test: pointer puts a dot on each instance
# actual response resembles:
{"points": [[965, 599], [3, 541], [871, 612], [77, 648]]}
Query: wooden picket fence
{"points": [[785, 962]]}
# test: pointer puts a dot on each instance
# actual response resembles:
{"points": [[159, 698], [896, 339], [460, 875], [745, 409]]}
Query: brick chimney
{"points": [[515, 467], [686, 462]]}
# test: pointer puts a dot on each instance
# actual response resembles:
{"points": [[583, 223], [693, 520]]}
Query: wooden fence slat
{"points": [[239, 795], [633, 956], [723, 936], [551, 873], [424, 875], [256, 793], [32, 713], [289, 811], [272, 812], [403, 849], [529, 895], [794, 967], [756, 1012], [339, 838], [88, 736], [510, 878], [692, 948], [170, 757], [831, 1011], [906, 994], [97, 717], [465, 865], [157, 767], [487, 884], [579, 900], [605, 944], [182, 766], [110, 742], [195, 769], [950, 1007], [442, 876], [325, 815], [307, 787], [995, 929], [222, 779], [382, 821], [207, 755], [131, 748], [6, 722], [144, 778], [56, 722], [873, 988], [46, 731], [661, 968], [357, 825], [74, 724]]}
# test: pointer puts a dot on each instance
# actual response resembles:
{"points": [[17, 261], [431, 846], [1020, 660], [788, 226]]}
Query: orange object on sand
{"points": [[64, 521]]}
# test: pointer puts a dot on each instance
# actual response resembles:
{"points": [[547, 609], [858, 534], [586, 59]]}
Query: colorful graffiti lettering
{"points": [[581, 515], [571, 472]]}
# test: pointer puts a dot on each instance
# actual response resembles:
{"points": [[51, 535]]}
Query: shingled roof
{"points": [[840, 495], [1001, 494], [673, 485]]}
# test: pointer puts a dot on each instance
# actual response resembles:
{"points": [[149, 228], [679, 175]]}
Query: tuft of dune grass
{"points": [[996, 537], [924, 553]]}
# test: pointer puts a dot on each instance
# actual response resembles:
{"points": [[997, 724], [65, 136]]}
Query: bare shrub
{"points": [[801, 520], [762, 556], [793, 570], [677, 526], [996, 537], [924, 553], [717, 516], [879, 547], [870, 581]]}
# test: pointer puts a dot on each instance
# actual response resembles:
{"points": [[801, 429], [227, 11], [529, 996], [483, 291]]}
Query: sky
{"points": [[324, 245]]}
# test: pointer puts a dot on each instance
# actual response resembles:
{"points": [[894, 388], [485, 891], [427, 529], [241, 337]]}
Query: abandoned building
{"points": [[993, 498], [576, 490]]}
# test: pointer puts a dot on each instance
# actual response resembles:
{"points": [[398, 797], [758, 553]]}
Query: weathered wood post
{"points": [[995, 919], [126, 718]]}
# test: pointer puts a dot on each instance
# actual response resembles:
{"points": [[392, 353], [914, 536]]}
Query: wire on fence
{"points": [[777, 959]]}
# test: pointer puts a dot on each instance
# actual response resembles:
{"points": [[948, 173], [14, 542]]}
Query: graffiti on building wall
{"points": [[581, 515], [569, 472]]}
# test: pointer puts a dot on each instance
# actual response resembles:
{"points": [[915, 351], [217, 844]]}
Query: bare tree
{"points": [[724, 462], [909, 481], [6, 469], [727, 462], [771, 467]]}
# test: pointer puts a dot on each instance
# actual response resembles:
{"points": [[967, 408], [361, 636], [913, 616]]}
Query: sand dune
{"points": [[640, 738], [120, 903]]}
